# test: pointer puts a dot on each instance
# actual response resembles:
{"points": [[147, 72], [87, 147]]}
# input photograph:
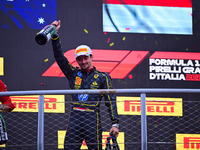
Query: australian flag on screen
{"points": [[34, 14]]}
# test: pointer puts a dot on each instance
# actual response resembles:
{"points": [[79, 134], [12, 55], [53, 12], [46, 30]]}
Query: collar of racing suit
{"points": [[89, 70]]}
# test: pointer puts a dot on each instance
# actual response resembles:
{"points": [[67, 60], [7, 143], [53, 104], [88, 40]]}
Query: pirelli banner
{"points": [[155, 106], [52, 103], [187, 141]]}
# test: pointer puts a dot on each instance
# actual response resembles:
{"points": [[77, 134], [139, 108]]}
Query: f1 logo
{"points": [[118, 63]]}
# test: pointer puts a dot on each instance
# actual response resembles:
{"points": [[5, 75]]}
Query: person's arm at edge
{"points": [[7, 104]]}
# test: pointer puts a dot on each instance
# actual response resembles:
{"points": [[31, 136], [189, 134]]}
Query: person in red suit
{"points": [[7, 104]]}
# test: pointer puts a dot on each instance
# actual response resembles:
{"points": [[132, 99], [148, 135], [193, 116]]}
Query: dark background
{"points": [[24, 58], [24, 65]]}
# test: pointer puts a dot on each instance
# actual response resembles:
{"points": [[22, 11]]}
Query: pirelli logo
{"points": [[155, 106], [52, 103], [187, 141], [120, 140], [81, 50]]}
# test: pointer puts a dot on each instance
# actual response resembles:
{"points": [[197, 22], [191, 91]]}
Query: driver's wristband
{"points": [[55, 36], [115, 125]]}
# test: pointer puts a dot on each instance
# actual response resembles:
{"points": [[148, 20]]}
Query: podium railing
{"points": [[142, 92]]}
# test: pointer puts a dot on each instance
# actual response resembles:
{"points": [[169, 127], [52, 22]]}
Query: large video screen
{"points": [[148, 16]]}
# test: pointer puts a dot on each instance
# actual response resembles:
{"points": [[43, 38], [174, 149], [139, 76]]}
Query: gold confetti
{"points": [[86, 31], [111, 44], [46, 60], [176, 38], [145, 38], [124, 82], [124, 38], [187, 49]]}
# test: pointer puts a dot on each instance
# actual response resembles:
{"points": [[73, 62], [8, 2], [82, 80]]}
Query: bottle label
{"points": [[48, 36], [48, 29]]}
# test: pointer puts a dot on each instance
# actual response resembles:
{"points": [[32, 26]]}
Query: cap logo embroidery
{"points": [[81, 50]]}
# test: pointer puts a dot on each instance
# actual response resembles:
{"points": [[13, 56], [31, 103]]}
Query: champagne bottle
{"points": [[45, 34]]}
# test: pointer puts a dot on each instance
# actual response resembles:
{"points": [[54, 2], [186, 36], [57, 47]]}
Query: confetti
{"points": [[46, 60], [189, 13], [124, 38], [145, 38], [155, 125], [111, 44], [86, 31], [176, 38], [108, 40], [129, 138], [130, 76], [156, 42], [124, 82], [187, 49], [157, 122], [42, 83], [138, 122], [106, 32], [127, 28]]}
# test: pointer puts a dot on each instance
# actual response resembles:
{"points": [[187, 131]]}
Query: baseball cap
{"points": [[83, 50]]}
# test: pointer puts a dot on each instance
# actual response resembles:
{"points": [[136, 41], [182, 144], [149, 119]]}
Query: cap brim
{"points": [[82, 55]]}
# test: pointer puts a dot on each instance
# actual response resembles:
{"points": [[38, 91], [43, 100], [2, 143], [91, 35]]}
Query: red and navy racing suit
{"points": [[5, 100], [84, 123]]}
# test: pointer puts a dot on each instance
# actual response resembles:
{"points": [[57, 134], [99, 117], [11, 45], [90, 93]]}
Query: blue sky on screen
{"points": [[34, 14], [145, 16]]}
